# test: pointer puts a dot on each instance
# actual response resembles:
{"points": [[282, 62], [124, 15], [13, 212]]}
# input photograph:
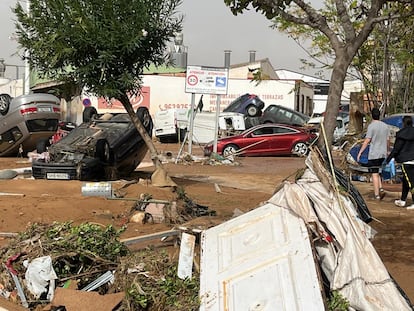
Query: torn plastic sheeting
{"points": [[361, 206], [40, 276], [355, 270]]}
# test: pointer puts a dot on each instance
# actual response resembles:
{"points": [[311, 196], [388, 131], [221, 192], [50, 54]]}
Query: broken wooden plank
{"points": [[12, 194], [8, 234], [152, 236], [185, 260]]}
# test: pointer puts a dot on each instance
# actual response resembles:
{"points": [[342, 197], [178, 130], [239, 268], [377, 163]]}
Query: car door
{"points": [[257, 142], [282, 141], [261, 260]]}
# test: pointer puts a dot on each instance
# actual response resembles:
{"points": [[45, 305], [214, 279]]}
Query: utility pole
{"points": [[26, 87]]}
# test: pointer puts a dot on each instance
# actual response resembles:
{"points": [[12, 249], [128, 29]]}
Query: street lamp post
{"points": [[26, 87]]}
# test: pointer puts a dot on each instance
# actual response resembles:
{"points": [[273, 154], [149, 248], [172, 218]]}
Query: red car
{"points": [[266, 140]]}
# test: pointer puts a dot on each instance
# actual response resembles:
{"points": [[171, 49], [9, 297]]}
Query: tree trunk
{"points": [[160, 177], [356, 113], [334, 99]]}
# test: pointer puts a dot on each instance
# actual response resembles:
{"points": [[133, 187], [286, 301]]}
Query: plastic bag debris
{"points": [[40, 275]]}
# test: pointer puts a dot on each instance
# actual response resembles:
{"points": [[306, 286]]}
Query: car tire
{"points": [[301, 149], [145, 118], [251, 121], [103, 151], [41, 145], [88, 113], [252, 110], [4, 103], [182, 133], [230, 150]]}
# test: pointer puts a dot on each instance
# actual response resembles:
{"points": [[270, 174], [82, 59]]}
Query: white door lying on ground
{"points": [[261, 260]]}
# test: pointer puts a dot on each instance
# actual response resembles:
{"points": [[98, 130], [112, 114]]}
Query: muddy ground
{"points": [[241, 187]]}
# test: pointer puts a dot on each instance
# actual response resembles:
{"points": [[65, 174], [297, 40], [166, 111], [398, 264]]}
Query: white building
{"points": [[321, 88]]}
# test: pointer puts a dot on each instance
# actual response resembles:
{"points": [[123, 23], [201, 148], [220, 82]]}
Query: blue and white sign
{"points": [[206, 80]]}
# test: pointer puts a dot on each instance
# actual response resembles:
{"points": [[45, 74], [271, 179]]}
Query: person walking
{"points": [[378, 139], [403, 152]]}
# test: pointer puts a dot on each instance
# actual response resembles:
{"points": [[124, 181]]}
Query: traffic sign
{"points": [[206, 80]]}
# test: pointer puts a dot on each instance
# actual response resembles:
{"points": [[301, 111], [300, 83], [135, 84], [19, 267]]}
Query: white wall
{"points": [[14, 88], [164, 92]]}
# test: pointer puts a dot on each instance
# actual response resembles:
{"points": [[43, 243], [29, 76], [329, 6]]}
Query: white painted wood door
{"points": [[261, 260]]}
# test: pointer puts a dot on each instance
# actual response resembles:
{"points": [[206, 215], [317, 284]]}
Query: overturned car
{"points": [[104, 148]]}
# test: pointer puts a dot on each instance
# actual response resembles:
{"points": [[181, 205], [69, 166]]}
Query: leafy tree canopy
{"points": [[102, 44], [338, 28]]}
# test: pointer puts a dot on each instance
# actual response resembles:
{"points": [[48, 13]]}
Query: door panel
{"points": [[261, 260]]}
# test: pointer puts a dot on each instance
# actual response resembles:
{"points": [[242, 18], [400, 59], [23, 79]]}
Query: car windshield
{"points": [[41, 125]]}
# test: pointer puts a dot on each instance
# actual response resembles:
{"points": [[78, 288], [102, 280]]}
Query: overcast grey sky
{"points": [[209, 29]]}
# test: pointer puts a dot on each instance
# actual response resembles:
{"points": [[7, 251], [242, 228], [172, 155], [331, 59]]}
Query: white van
{"points": [[170, 125], [341, 126]]}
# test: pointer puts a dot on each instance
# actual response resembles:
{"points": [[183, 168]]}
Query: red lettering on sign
{"points": [[140, 100]]}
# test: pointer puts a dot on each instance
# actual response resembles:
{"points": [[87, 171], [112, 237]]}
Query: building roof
{"points": [[292, 75], [247, 70]]}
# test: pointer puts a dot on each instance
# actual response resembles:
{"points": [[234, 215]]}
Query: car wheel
{"points": [[182, 134], [251, 121], [300, 149], [4, 103], [252, 110], [102, 151], [88, 113], [230, 150], [145, 118], [41, 145]]}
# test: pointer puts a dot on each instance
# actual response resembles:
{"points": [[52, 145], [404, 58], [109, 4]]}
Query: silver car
{"points": [[27, 122]]}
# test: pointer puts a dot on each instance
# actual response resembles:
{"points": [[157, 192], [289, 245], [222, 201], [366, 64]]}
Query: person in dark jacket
{"points": [[403, 152]]}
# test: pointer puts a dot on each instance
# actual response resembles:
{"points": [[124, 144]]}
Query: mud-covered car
{"points": [[27, 121], [105, 148]]}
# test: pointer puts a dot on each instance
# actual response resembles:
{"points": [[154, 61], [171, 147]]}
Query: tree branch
{"points": [[345, 21]]}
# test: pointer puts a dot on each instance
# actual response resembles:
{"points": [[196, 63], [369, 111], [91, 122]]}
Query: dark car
{"points": [[280, 114], [249, 105], [266, 140], [107, 147]]}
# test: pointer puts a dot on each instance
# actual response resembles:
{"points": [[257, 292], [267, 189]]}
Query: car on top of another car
{"points": [[265, 140], [249, 105], [281, 114]]}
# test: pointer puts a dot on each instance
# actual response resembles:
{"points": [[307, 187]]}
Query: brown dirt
{"points": [[242, 187]]}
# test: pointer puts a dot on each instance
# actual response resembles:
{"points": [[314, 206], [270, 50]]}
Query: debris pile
{"points": [[89, 262], [148, 210]]}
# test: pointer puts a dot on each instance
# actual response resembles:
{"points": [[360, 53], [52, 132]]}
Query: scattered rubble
{"points": [[85, 258]]}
